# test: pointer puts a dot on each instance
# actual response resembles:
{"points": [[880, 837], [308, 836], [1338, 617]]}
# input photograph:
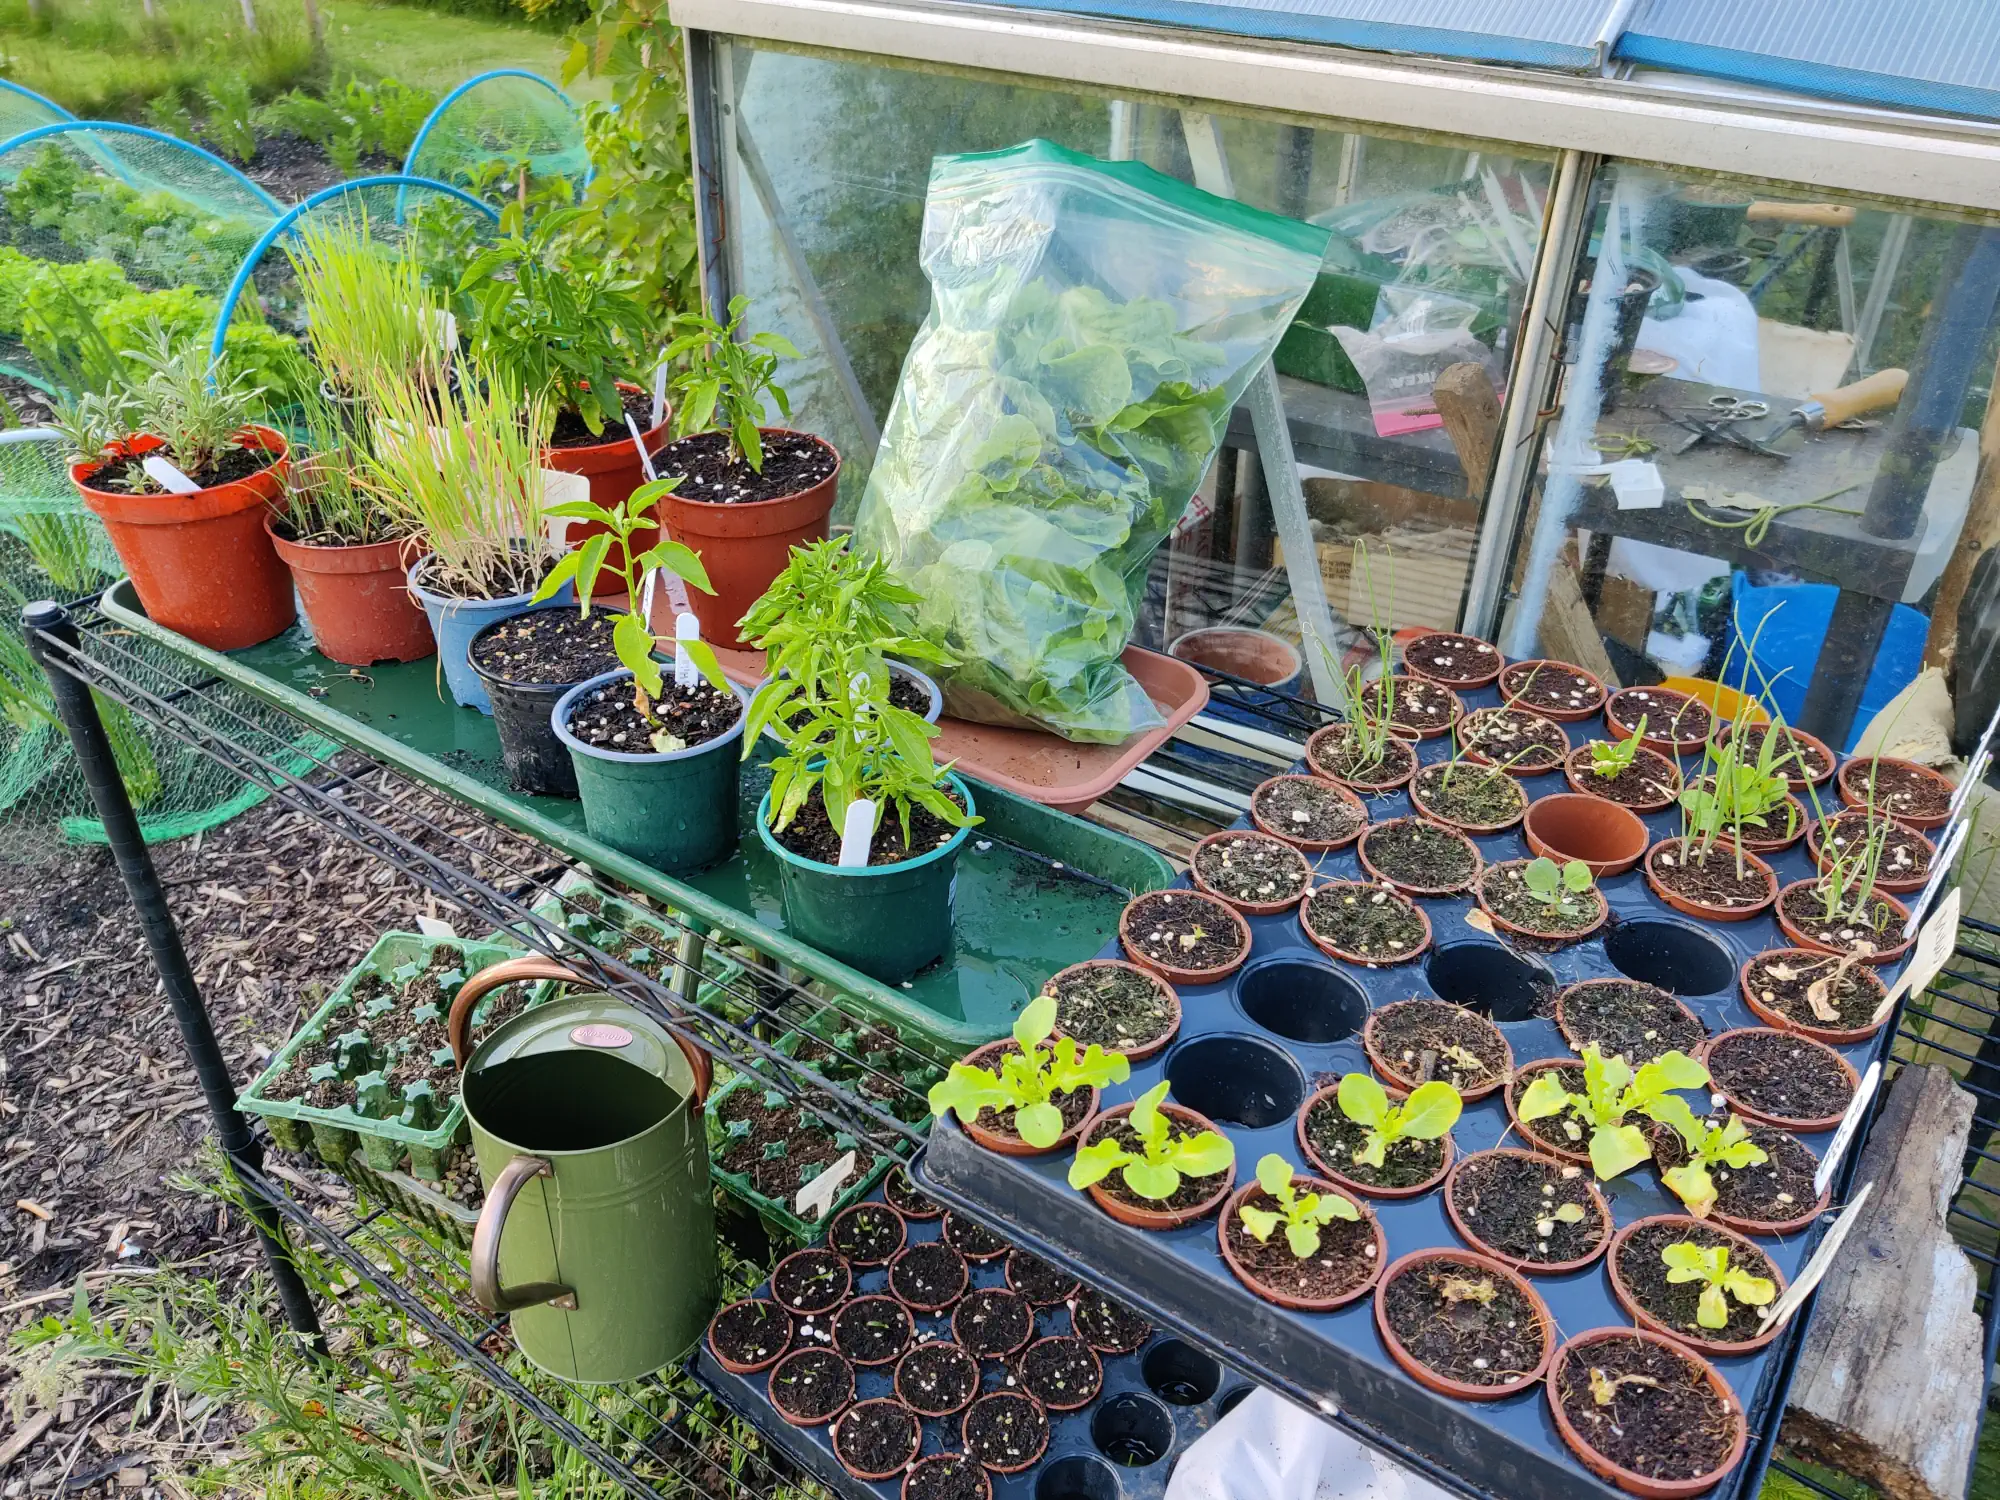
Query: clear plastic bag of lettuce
{"points": [[1091, 325]]}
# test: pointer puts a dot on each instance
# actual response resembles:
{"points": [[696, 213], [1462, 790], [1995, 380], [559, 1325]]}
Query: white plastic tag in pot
{"points": [[559, 488], [168, 476]]}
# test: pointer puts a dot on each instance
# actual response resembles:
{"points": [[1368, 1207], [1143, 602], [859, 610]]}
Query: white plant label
{"points": [[1822, 1260], [445, 327], [857, 834], [1940, 870], [647, 585], [639, 442], [816, 1197], [169, 478], [659, 393], [1857, 1111], [686, 628], [431, 927], [1933, 947]]}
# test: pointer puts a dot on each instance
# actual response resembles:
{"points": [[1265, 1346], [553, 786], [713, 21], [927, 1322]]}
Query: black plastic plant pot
{"points": [[535, 760]]}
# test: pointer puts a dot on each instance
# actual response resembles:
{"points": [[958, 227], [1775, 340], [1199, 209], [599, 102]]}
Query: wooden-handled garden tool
{"points": [[1734, 417]]}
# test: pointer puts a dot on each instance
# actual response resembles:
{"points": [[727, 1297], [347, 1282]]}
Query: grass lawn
{"points": [[439, 51]]}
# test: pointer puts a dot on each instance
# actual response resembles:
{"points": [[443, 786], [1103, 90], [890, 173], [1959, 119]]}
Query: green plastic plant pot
{"points": [[674, 809], [888, 921]]}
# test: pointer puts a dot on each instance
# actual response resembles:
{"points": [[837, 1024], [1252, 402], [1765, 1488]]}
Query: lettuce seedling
{"points": [[1028, 1079], [1613, 758], [1709, 1145], [1302, 1214], [1554, 885], [1431, 1110], [1613, 1091], [1163, 1159], [1688, 1261]]}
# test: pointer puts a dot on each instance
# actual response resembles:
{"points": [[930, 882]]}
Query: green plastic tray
{"points": [[722, 974], [777, 1212], [1037, 889]]}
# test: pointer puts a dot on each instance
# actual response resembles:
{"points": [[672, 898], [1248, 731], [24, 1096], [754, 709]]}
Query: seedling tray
{"points": [[1241, 1060], [1171, 1391], [1037, 890], [780, 1212]]}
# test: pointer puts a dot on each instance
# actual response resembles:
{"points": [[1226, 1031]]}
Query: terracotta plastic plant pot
{"points": [[1514, 1262], [930, 1308], [1133, 1217], [1436, 815], [1764, 1117], [1030, 1460], [203, 564], [1853, 783], [1347, 1185], [984, 1487], [1601, 834], [1165, 991], [1564, 995], [1505, 924], [1249, 908], [1772, 1228], [613, 469], [1410, 734], [1688, 907], [737, 1367], [744, 546], [1375, 829], [1581, 779], [1637, 1312], [1414, 662], [1332, 951], [1174, 974], [1397, 1081], [1652, 741], [1770, 1015], [1626, 1479], [357, 599], [1282, 1299], [1560, 715], [1095, 1360], [933, 1412], [1792, 772], [1902, 886], [1388, 783], [1310, 846], [833, 1437], [1535, 1144], [988, 1057], [1422, 1373], [1257, 656], [832, 1416], [1800, 938], [454, 622]]}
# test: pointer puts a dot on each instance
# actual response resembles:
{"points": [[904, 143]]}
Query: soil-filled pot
{"points": [[1709, 887], [745, 544], [1802, 759], [1469, 797], [1007, 1431], [1467, 1051], [810, 1387], [1418, 857], [1911, 794], [875, 1440], [454, 622], [749, 1336], [1635, 1265], [1505, 897], [674, 809], [1325, 756], [995, 1129], [1454, 1305], [1350, 1257], [1628, 1018], [612, 468], [1777, 985], [1196, 1198], [1676, 723], [534, 758], [1455, 661], [1359, 923], [1308, 812], [1184, 936], [203, 563], [937, 1475], [357, 600], [1652, 783], [1548, 1134], [1800, 917], [1556, 690], [1119, 1006], [1773, 1077], [1257, 873], [1684, 1387], [1062, 1372], [1906, 858], [1496, 1202], [1602, 834], [937, 1378], [1410, 1167], [1769, 1198], [928, 1277], [888, 921]]}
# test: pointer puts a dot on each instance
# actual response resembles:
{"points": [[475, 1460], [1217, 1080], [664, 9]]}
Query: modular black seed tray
{"points": [[1253, 1047], [1153, 1404]]}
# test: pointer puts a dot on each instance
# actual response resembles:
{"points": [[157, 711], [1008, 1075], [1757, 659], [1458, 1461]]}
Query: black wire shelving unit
{"points": [[664, 1437]]}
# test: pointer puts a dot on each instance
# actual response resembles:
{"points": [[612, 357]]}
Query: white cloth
{"points": [[1713, 340], [1269, 1449]]}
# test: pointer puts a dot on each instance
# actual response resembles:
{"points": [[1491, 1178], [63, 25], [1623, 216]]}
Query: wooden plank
{"points": [[1980, 531], [1569, 632], [1470, 407], [1889, 1386]]}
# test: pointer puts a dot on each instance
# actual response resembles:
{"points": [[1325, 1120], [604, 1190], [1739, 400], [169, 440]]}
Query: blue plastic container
{"points": [[1788, 646], [456, 621]]}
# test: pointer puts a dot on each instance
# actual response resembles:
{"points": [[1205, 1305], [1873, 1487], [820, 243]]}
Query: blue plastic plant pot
{"points": [[888, 921], [456, 621], [674, 809]]}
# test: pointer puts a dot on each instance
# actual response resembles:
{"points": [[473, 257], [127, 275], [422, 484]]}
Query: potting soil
{"points": [[1665, 1424], [1062, 1373], [793, 462], [1635, 1021], [1466, 792], [1515, 737], [1511, 1202], [1253, 867], [1784, 981], [1649, 778], [1461, 1321], [548, 646], [608, 718], [1367, 921], [1346, 1256], [1541, 686], [1452, 659], [1336, 1139], [1677, 1303], [1308, 809], [1783, 1077], [1417, 855], [1669, 715], [1427, 1039], [1114, 1008], [811, 834]]}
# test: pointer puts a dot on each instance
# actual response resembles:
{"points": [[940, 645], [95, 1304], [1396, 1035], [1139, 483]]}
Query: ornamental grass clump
{"points": [[371, 320]]}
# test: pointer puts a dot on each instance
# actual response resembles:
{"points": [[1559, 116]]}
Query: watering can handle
{"points": [[458, 1025], [486, 1288]]}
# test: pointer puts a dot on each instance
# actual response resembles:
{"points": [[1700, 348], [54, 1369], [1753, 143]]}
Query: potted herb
{"points": [[1115, 1005], [370, 318], [937, 1379], [1556, 690], [1843, 911], [1914, 795], [1254, 872], [1185, 936], [1801, 759], [1172, 1166], [1364, 1140], [1519, 742], [1593, 1125], [811, 1281], [1679, 723], [1699, 1284], [810, 1387], [871, 1331], [749, 1336], [1308, 812], [1364, 924], [1625, 772], [1758, 808], [1419, 858], [1769, 1195], [1702, 874], [1462, 1325], [1029, 1096], [1639, 1022], [184, 482], [1299, 1243], [1645, 1413], [1413, 1042], [1452, 660], [1525, 1210], [1834, 1000], [1006, 1431], [348, 557], [1539, 898], [1904, 864], [1781, 1078], [1707, 1147], [1365, 752], [1597, 833], [752, 492], [1062, 1372], [876, 1440]]}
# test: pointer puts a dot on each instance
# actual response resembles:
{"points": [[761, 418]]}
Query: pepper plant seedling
{"points": [[1163, 1159], [1431, 1110], [1709, 1146], [1555, 885], [1613, 758], [1028, 1079], [1302, 1214], [722, 379], [1613, 1091], [1688, 1261]]}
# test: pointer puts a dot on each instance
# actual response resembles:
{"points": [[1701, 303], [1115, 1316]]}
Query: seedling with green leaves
{"points": [[1710, 1145], [722, 379], [1027, 1081], [1164, 1157], [1370, 706], [1558, 887], [1302, 1214], [1688, 1261], [1429, 1112], [1611, 759], [1612, 1093]]}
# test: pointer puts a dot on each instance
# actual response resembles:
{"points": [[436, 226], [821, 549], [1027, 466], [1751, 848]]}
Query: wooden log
{"points": [[1470, 408], [1980, 531], [1890, 1383]]}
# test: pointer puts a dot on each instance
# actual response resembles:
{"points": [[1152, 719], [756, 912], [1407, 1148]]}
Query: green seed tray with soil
{"points": [[1037, 889], [1255, 1046], [1123, 1401]]}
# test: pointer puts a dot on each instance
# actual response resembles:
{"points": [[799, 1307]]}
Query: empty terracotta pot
{"points": [[1570, 826]]}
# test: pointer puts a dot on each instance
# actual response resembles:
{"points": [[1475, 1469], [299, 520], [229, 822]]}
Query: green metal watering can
{"points": [[587, 1122]]}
